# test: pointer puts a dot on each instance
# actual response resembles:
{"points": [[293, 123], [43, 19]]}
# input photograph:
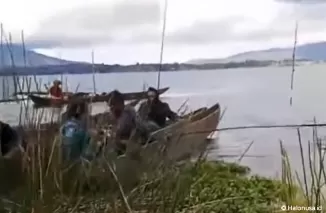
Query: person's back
{"points": [[126, 123], [74, 141], [75, 138]]}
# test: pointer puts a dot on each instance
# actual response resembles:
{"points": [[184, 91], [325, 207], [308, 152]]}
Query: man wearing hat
{"points": [[154, 110], [56, 91]]}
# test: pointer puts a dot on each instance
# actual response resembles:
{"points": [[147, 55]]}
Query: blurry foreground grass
{"points": [[43, 184], [191, 187], [39, 182]]}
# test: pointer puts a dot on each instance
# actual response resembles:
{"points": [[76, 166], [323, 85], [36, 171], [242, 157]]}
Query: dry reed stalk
{"points": [[261, 127], [303, 163], [245, 152], [183, 105], [124, 197]]}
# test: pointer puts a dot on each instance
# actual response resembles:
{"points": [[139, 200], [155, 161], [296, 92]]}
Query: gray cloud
{"points": [[206, 32], [200, 32], [302, 1], [139, 22], [94, 24], [311, 18]]}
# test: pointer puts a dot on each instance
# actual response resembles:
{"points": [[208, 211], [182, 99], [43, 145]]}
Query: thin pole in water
{"points": [[162, 44], [293, 58], [2, 52], [62, 73], [2, 60], [24, 58], [15, 76], [93, 70], [24, 48]]}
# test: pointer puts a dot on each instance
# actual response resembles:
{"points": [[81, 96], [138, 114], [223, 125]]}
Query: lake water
{"points": [[255, 96]]}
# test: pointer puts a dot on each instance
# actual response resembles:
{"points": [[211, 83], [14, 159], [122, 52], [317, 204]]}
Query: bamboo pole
{"points": [[293, 59], [93, 71], [162, 44]]}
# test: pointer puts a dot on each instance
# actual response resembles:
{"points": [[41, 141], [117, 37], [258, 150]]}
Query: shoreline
{"points": [[80, 69], [102, 68]]}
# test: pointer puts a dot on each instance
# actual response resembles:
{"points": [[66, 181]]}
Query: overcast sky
{"points": [[129, 31]]}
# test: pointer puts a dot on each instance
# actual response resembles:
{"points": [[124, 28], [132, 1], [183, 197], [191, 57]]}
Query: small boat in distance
{"points": [[52, 102], [46, 93]]}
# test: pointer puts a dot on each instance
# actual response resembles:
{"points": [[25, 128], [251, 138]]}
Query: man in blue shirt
{"points": [[75, 138]]}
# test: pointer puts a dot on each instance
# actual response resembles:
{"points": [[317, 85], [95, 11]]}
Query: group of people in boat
{"points": [[151, 116]]}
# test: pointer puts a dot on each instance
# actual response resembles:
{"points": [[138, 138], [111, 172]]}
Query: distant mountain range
{"points": [[40, 64], [311, 51], [15, 55]]}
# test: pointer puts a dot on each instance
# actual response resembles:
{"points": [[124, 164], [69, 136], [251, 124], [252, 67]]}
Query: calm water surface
{"points": [[258, 96]]}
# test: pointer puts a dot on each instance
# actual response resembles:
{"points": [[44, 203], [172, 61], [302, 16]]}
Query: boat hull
{"points": [[179, 141], [52, 102]]}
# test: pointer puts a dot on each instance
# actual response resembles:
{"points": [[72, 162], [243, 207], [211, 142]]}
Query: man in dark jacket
{"points": [[155, 110]]}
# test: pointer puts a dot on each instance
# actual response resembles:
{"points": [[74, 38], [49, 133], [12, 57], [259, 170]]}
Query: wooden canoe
{"points": [[51, 102], [188, 138], [47, 93]]}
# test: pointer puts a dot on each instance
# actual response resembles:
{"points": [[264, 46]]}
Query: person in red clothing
{"points": [[56, 91]]}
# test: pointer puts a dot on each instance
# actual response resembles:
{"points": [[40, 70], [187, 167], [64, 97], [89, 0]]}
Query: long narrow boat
{"points": [[51, 102], [46, 93], [187, 137]]}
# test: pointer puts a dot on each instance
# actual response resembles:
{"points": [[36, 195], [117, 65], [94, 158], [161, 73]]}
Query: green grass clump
{"points": [[217, 187]]}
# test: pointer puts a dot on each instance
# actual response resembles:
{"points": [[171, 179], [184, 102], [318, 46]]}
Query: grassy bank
{"points": [[190, 187], [42, 184]]}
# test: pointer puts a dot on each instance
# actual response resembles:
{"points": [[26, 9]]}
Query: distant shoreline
{"points": [[82, 68]]}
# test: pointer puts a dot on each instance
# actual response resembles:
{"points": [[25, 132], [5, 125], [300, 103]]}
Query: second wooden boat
{"points": [[52, 102]]}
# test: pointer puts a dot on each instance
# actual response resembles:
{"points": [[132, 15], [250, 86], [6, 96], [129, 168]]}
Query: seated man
{"points": [[56, 91], [124, 119], [154, 110], [75, 138]]}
